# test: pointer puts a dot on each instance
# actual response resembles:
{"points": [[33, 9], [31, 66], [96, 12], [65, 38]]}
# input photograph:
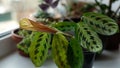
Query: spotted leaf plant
{"points": [[66, 40]]}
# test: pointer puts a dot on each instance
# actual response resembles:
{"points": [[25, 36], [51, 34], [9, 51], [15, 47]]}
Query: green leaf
{"points": [[59, 50], [64, 26], [100, 23], [75, 54], [88, 38], [24, 45], [24, 33], [38, 50]]}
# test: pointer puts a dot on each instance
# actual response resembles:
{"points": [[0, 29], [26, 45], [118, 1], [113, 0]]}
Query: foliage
{"points": [[88, 38], [65, 40], [99, 22], [66, 48], [24, 33], [38, 50], [107, 9]]}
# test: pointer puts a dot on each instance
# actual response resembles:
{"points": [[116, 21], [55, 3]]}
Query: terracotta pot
{"points": [[22, 53], [17, 38]]}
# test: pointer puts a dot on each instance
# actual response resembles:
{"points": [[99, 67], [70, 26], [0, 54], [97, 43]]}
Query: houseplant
{"points": [[107, 10], [66, 40], [19, 34]]}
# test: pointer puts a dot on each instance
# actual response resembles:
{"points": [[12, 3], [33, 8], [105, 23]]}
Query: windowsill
{"points": [[110, 60], [7, 26]]}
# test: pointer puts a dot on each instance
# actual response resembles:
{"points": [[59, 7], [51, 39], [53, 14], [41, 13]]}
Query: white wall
{"points": [[25, 3], [114, 7]]}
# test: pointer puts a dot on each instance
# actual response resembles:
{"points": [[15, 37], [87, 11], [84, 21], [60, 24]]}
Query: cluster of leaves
{"points": [[24, 33], [107, 9], [66, 49]]}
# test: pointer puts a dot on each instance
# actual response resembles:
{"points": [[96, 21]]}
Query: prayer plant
{"points": [[65, 40]]}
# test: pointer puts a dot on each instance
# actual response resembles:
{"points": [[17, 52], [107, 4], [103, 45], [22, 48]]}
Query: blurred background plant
{"points": [[107, 9]]}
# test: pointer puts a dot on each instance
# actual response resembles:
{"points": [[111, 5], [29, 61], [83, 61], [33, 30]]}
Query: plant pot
{"points": [[113, 42], [110, 42], [22, 53], [17, 38], [104, 40], [88, 59]]}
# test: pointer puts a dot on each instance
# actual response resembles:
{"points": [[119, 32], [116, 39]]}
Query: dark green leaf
{"points": [[64, 26], [75, 54]]}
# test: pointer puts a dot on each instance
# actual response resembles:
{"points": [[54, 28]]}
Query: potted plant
{"points": [[18, 35], [67, 41], [105, 9]]}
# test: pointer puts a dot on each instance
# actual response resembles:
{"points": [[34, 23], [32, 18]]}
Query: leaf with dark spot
{"points": [[98, 18], [100, 23], [89, 38], [38, 50], [94, 42], [75, 54], [65, 26], [24, 45], [59, 50]]}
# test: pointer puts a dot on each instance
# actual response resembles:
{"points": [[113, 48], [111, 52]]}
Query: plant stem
{"points": [[99, 5], [109, 8], [66, 34], [116, 11]]}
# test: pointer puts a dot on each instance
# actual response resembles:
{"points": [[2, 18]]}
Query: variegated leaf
{"points": [[38, 49], [64, 26], [59, 50], [24, 45], [88, 38], [35, 26], [75, 54], [100, 23]]}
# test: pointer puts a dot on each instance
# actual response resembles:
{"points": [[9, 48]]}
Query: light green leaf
{"points": [[38, 50], [59, 50], [88, 38], [100, 23], [24, 45]]}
